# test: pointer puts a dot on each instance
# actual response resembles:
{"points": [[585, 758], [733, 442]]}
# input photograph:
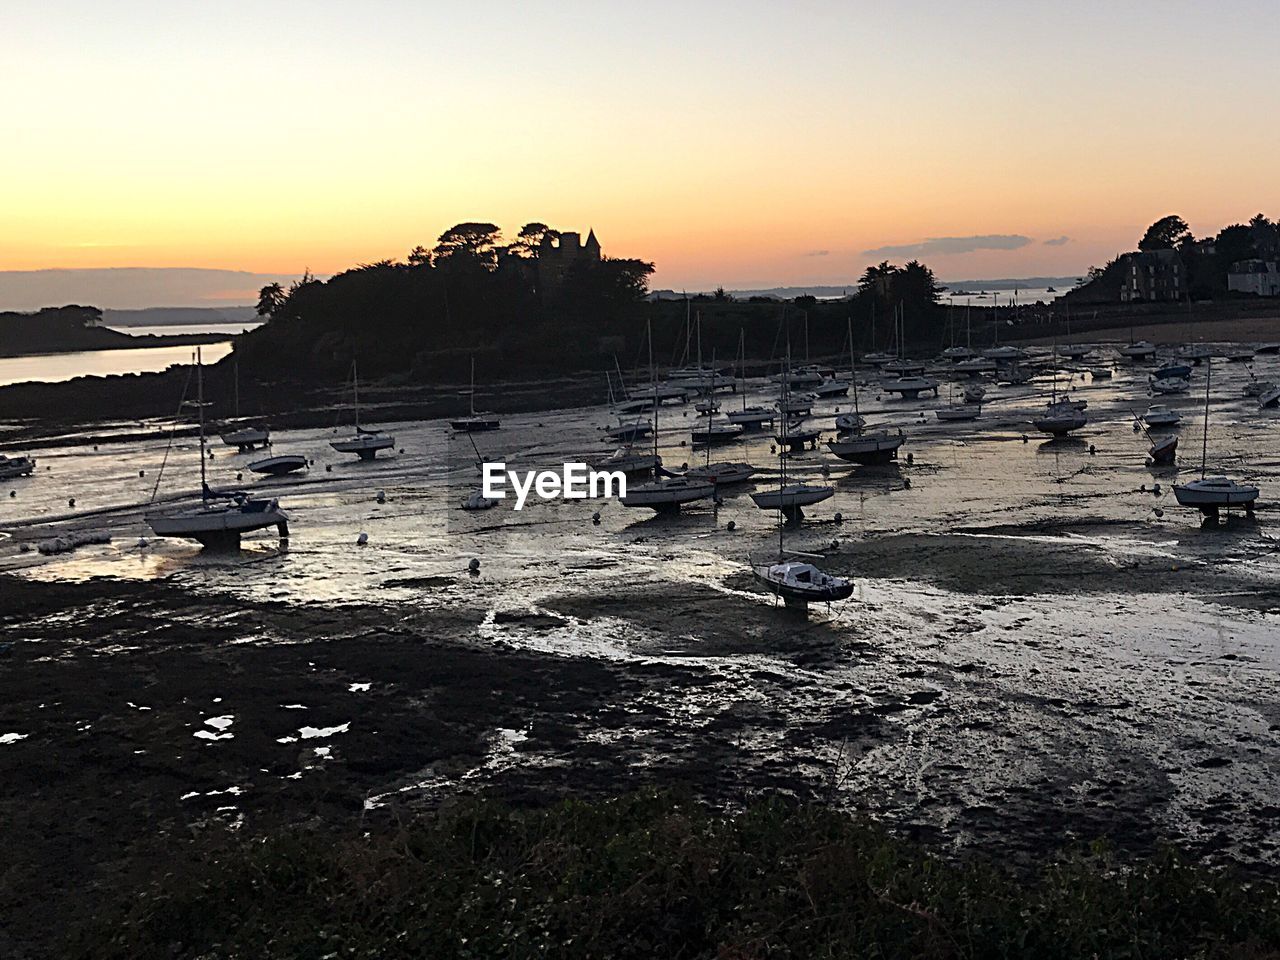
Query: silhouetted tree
{"points": [[468, 244], [1165, 234], [529, 239], [270, 299]]}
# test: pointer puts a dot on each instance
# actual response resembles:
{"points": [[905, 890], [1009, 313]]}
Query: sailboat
{"points": [[218, 521], [876, 358], [473, 423], [755, 416], [859, 445], [955, 353], [958, 411], [1209, 495], [996, 352], [13, 467], [244, 438], [1139, 350], [1061, 416], [790, 499], [902, 367], [797, 582], [664, 494], [364, 443], [836, 386], [720, 474]]}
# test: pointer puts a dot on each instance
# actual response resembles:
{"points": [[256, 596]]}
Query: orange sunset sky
{"points": [[743, 144]]}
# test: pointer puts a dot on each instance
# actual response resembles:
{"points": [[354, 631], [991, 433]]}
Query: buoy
{"points": [[142, 543], [731, 525], [13, 493], [835, 544], [596, 516], [839, 518], [1024, 438], [95, 446], [381, 497], [328, 468], [142, 473], [911, 458], [773, 448], [1143, 488], [402, 449], [1155, 488], [682, 443], [239, 475], [1159, 513], [362, 539], [474, 565], [906, 483], [71, 502], [1092, 449]]}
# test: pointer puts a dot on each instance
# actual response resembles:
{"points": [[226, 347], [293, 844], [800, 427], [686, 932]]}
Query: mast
{"points": [[710, 407], [355, 391], [653, 383], [1204, 444], [806, 336], [235, 366], [473, 385], [853, 373], [204, 485], [742, 364]]}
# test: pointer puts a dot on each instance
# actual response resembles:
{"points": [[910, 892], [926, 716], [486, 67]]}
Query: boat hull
{"points": [[279, 466], [867, 450]]}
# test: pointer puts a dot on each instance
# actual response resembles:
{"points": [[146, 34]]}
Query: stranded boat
{"points": [[279, 466], [217, 521], [473, 423], [364, 443], [1210, 495], [12, 467]]}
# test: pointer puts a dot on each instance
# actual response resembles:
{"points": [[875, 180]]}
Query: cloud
{"points": [[944, 246], [1057, 242], [818, 253], [132, 287]]}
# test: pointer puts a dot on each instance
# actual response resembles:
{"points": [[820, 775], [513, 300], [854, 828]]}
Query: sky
{"points": [[744, 144]]}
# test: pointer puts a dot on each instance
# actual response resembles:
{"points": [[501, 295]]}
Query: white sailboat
{"points": [[218, 521], [1210, 495], [364, 443]]}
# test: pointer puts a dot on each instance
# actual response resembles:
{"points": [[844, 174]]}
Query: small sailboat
{"points": [[722, 474], [243, 438], [1158, 415], [862, 446], [627, 459], [910, 387], [472, 423], [1170, 385], [1269, 397], [218, 521], [1061, 417], [799, 583], [1140, 350], [664, 494], [716, 432], [850, 422], [790, 498], [14, 467], [1100, 373], [1210, 495], [279, 466], [364, 443]]}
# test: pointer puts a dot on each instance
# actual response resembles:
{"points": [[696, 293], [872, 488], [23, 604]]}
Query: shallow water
{"points": [[1024, 625]]}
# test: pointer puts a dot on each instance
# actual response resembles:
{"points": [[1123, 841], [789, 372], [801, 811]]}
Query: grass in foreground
{"points": [[652, 875]]}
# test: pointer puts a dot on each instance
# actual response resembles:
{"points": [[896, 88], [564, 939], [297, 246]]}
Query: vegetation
{"points": [[653, 875], [1207, 260], [474, 293]]}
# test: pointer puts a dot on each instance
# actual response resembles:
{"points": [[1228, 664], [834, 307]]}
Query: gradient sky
{"points": [[740, 143]]}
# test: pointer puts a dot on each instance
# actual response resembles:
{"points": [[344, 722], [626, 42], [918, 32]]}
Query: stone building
{"points": [[1153, 275]]}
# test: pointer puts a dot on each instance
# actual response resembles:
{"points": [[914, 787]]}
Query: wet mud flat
{"points": [[973, 695]]}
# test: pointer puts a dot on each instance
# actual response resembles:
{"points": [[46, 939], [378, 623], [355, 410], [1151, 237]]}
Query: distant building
{"points": [[557, 255], [1152, 275], [1261, 277]]}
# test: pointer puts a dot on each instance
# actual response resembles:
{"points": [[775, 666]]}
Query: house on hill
{"points": [[1153, 275], [1260, 277]]}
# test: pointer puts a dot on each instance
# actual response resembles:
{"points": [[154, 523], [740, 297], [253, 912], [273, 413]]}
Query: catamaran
{"points": [[218, 521], [364, 443]]}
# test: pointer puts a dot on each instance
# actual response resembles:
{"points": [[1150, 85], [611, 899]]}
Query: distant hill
{"points": [[174, 316], [828, 292]]}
